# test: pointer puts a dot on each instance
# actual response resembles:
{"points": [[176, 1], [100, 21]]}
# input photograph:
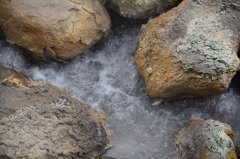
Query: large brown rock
{"points": [[39, 120], [140, 9], [190, 51], [54, 29], [207, 139]]}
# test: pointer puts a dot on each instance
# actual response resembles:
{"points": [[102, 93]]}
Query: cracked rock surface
{"points": [[205, 139], [54, 29], [140, 9], [39, 120], [190, 51]]}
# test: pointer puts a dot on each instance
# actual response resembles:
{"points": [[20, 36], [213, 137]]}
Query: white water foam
{"points": [[107, 78]]}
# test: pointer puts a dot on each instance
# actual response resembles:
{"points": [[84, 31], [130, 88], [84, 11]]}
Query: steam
{"points": [[107, 78]]}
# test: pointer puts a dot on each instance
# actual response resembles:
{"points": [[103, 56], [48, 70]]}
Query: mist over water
{"points": [[106, 77]]}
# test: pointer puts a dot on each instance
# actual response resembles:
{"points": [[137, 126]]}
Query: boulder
{"points": [[140, 9], [205, 139], [39, 120], [54, 29], [190, 51]]}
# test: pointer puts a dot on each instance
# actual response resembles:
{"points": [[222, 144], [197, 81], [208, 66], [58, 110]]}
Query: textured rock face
{"points": [[190, 51], [207, 139], [103, 2], [39, 120], [140, 9], [54, 29]]}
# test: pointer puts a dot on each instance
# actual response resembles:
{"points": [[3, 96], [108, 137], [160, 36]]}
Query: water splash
{"points": [[107, 78]]}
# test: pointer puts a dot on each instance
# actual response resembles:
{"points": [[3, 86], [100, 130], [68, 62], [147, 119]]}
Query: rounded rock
{"points": [[205, 139], [54, 29], [140, 9], [39, 120]]}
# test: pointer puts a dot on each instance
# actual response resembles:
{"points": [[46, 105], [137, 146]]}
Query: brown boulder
{"points": [[39, 120], [190, 51], [54, 29]]}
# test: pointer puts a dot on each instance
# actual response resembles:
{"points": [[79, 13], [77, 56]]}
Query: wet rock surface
{"points": [[107, 78], [53, 29], [39, 120], [140, 9], [205, 139], [190, 51]]}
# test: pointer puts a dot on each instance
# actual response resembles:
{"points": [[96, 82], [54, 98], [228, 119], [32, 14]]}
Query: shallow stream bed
{"points": [[106, 77]]}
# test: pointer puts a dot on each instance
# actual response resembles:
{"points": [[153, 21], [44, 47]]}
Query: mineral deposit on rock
{"points": [[207, 139], [39, 120], [190, 51]]}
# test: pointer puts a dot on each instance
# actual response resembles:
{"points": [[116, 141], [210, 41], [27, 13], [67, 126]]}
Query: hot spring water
{"points": [[107, 78]]}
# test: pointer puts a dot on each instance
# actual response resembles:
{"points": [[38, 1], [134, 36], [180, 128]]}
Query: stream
{"points": [[105, 77]]}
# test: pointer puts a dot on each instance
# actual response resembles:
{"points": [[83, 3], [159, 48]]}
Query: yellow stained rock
{"points": [[187, 53], [54, 29]]}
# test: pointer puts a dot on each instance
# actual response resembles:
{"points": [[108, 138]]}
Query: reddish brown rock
{"points": [[190, 51]]}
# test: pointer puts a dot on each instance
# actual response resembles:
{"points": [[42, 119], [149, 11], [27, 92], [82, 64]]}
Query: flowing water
{"points": [[107, 78]]}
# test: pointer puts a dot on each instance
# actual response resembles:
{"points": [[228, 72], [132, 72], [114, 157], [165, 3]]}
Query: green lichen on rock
{"points": [[191, 50], [207, 139], [206, 50], [219, 143]]}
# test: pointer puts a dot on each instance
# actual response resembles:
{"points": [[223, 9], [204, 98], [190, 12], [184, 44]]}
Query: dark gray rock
{"points": [[39, 120]]}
